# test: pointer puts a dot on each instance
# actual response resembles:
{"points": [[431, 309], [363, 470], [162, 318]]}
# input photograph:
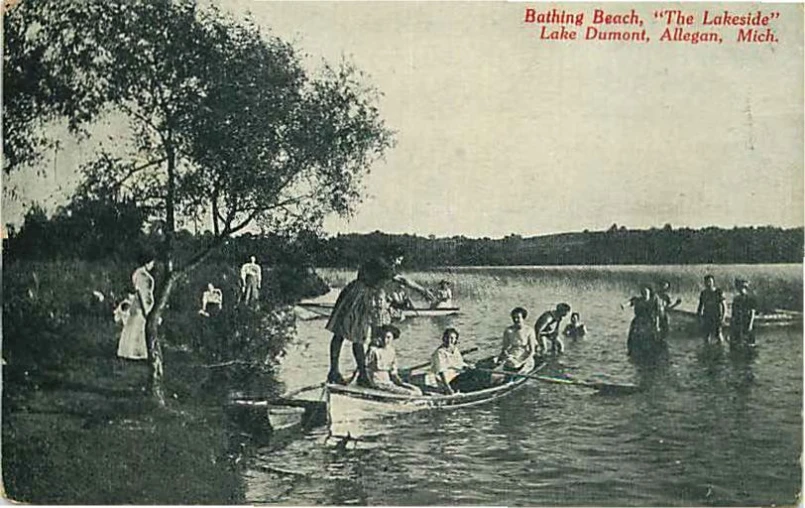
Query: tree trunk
{"points": [[155, 363]]}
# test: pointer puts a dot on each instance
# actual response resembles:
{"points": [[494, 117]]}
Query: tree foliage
{"points": [[226, 124], [87, 229]]}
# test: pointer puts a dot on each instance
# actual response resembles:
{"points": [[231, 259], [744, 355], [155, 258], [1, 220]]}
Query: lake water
{"points": [[709, 428]]}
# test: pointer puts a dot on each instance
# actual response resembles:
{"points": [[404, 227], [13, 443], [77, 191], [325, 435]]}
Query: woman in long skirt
{"points": [[644, 329], [362, 305], [132, 343]]}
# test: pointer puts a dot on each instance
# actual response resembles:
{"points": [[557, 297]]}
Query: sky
{"points": [[499, 132]]}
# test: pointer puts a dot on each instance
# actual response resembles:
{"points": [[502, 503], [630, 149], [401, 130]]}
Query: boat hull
{"points": [[352, 403]]}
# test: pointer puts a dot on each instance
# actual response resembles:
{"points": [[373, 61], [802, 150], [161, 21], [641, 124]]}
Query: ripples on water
{"points": [[710, 428]]}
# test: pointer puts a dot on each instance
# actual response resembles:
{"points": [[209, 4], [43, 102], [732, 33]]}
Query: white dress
{"points": [[132, 343]]}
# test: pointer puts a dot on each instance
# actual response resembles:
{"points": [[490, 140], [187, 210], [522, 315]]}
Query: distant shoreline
{"points": [[616, 246]]}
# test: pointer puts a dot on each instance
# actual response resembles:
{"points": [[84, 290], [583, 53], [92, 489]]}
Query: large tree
{"points": [[226, 124]]}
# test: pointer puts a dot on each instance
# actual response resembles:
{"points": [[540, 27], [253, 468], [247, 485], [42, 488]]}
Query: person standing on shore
{"points": [[362, 306], [712, 311], [211, 297], [132, 344], [251, 278]]}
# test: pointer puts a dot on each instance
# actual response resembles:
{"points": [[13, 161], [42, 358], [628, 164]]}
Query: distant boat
{"points": [[777, 317]]}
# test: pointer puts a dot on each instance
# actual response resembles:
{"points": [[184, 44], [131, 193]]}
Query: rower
{"points": [[447, 365], [444, 296]]}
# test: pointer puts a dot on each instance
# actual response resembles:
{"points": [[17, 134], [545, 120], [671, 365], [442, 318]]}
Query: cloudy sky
{"points": [[499, 132]]}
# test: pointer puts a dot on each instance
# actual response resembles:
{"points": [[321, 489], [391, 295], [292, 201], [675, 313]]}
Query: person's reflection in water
{"points": [[652, 370], [711, 360], [347, 478], [742, 376]]}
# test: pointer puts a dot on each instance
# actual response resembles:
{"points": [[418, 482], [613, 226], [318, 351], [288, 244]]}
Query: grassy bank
{"points": [[77, 426]]}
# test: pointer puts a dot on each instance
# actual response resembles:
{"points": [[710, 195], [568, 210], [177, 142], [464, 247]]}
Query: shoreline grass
{"points": [[78, 427]]}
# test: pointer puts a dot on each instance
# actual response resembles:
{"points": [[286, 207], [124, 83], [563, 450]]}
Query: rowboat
{"points": [[313, 310], [353, 403], [778, 317]]}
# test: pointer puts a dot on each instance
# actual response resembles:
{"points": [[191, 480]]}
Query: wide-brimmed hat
{"points": [[382, 330]]}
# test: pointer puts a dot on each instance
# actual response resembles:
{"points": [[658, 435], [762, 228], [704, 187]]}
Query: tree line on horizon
{"points": [[97, 231], [754, 245]]}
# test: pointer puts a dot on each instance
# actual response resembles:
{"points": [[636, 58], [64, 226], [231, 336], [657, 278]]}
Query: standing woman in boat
{"points": [[364, 304], [645, 328]]}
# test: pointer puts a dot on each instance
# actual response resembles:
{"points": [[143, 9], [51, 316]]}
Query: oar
{"points": [[425, 364], [597, 385]]}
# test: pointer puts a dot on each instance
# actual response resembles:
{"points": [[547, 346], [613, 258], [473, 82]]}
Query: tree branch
{"points": [[133, 171]]}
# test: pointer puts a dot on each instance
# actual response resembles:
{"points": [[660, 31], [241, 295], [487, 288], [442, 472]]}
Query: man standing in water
{"points": [[664, 305], [744, 308], [712, 311], [548, 328], [251, 278]]}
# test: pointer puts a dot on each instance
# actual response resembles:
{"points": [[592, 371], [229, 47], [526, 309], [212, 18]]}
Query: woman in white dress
{"points": [[132, 343]]}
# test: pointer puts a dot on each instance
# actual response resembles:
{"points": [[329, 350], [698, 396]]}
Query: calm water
{"points": [[709, 429]]}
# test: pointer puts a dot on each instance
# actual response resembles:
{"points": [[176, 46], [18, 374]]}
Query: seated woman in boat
{"points": [[447, 365], [381, 363], [575, 329], [444, 296], [519, 343], [399, 301], [644, 331]]}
